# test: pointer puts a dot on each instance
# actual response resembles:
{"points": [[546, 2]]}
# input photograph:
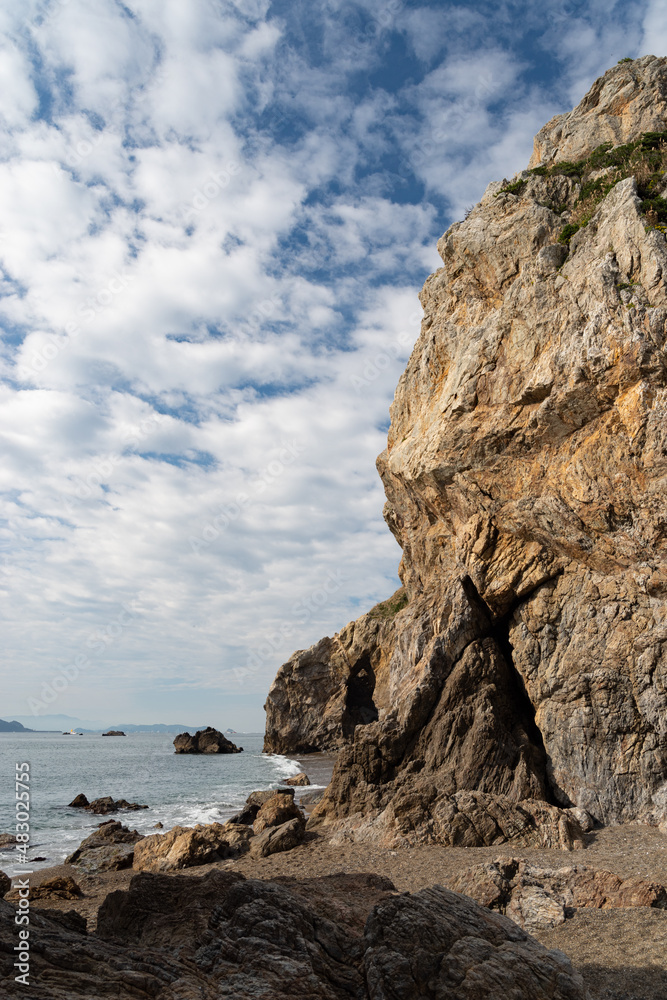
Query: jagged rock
{"points": [[246, 816], [207, 740], [158, 826], [79, 802], [113, 732], [470, 952], [537, 898], [420, 815], [275, 839], [525, 476], [109, 848], [332, 938], [298, 779], [186, 846], [627, 100], [107, 805], [5, 884], [321, 694], [311, 798], [277, 810], [259, 798], [61, 887]]}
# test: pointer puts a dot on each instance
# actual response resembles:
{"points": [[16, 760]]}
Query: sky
{"points": [[215, 218]]}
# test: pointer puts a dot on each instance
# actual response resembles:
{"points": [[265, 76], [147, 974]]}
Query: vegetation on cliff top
{"points": [[645, 160]]}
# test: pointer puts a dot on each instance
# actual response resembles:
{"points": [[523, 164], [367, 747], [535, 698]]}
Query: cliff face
{"points": [[525, 482]]}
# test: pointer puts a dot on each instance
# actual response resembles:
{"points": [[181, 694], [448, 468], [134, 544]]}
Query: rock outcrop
{"points": [[104, 805], [280, 808], [523, 676], [61, 887], [207, 740], [537, 898], [333, 938], [5, 884], [114, 732], [299, 780], [110, 848], [186, 846]]}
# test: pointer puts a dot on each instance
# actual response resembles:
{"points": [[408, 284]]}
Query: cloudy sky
{"points": [[215, 217]]}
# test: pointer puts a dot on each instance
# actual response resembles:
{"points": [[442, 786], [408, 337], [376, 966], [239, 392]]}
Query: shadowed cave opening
{"points": [[360, 709], [499, 629]]}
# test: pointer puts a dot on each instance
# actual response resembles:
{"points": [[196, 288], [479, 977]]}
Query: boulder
{"points": [[247, 815], [438, 943], [5, 884], [185, 846], [109, 848], [79, 802], [275, 839], [207, 740], [259, 798], [107, 805], [298, 779], [537, 898], [62, 887], [333, 938], [275, 811]]}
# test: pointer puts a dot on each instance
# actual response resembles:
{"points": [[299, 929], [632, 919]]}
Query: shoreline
{"points": [[621, 952]]}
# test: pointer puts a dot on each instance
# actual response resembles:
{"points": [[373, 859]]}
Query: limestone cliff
{"points": [[526, 679]]}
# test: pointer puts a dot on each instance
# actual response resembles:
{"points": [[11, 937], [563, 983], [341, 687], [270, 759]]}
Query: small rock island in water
{"points": [[207, 740]]}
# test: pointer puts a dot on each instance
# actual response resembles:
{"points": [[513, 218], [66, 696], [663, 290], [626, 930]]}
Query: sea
{"points": [[179, 789]]}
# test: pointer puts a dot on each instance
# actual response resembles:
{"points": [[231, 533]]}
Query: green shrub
{"points": [[512, 188], [390, 607], [625, 59], [567, 232]]}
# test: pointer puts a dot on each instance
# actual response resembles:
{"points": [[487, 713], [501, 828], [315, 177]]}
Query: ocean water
{"points": [[179, 789]]}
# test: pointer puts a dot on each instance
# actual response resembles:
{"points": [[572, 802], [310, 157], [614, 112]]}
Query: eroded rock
{"points": [[109, 848], [537, 898], [298, 780], [526, 478], [185, 846], [277, 810], [275, 839], [5, 884], [207, 740]]}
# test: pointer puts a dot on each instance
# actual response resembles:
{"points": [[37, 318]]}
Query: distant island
{"points": [[13, 727]]}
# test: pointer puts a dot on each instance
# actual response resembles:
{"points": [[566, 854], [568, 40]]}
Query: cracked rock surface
{"points": [[338, 938], [517, 686]]}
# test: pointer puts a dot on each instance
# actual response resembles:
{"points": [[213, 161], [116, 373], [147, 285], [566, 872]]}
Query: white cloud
{"points": [[212, 241]]}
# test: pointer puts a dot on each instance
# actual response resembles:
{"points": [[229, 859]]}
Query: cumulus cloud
{"points": [[214, 221]]}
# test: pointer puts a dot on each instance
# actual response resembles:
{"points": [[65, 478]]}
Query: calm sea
{"points": [[142, 767]]}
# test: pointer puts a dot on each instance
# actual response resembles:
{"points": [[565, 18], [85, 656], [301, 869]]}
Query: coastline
{"points": [[621, 952]]}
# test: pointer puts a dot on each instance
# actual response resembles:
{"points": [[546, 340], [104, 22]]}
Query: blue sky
{"points": [[215, 217]]}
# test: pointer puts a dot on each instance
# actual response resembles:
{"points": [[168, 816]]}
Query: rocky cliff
{"points": [[522, 677]]}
